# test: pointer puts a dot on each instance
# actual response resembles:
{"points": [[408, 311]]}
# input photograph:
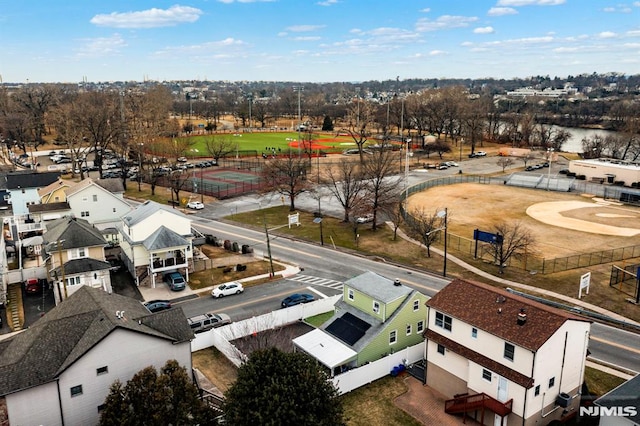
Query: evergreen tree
{"points": [[278, 388], [327, 124], [152, 399]]}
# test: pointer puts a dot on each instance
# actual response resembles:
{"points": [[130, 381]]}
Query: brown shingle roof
{"points": [[496, 311], [496, 367]]}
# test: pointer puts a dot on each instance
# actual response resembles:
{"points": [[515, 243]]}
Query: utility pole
{"points": [[266, 231]]}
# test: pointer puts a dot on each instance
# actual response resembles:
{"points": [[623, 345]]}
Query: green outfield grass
{"points": [[260, 141]]}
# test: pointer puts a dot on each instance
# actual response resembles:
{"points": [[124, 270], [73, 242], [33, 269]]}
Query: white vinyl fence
{"points": [[353, 379], [221, 337]]}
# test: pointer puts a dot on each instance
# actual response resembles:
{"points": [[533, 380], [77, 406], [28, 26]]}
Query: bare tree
{"points": [[517, 241], [395, 213], [381, 181], [504, 162], [423, 226], [527, 157], [345, 181], [177, 181], [219, 146], [359, 116], [287, 175]]}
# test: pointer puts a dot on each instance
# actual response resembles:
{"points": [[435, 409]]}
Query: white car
{"points": [[451, 164], [196, 205], [365, 218], [481, 154], [227, 289]]}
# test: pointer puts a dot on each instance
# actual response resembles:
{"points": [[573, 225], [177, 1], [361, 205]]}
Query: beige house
{"points": [[502, 358], [155, 240], [74, 252]]}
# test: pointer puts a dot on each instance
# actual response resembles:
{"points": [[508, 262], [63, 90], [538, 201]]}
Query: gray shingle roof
{"points": [[42, 352], [378, 287], [164, 238], [113, 185], [78, 266], [31, 179], [75, 232], [145, 210]]}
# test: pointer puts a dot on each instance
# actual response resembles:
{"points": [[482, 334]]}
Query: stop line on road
{"points": [[323, 282]]}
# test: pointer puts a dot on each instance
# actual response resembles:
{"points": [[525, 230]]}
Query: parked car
{"points": [[157, 305], [175, 280], [182, 159], [33, 286], [227, 289], [451, 164], [529, 168], [196, 205], [481, 154], [442, 166], [207, 321], [365, 218], [296, 299], [563, 171]]}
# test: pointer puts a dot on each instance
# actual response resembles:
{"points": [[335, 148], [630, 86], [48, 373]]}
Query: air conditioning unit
{"points": [[563, 400]]}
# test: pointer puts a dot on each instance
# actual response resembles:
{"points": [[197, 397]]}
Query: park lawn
{"points": [[267, 141]]}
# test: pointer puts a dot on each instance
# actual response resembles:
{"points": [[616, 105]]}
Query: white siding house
{"points": [[59, 370], [155, 240], [514, 360], [95, 202]]}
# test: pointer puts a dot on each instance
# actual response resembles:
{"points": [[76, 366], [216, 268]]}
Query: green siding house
{"points": [[376, 317]]}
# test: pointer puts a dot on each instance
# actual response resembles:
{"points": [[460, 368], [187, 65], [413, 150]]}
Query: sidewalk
{"points": [[486, 275]]}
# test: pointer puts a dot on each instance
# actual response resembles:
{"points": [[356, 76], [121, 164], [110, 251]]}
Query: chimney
{"points": [[397, 282], [522, 317]]}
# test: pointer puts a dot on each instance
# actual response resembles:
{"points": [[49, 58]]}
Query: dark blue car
{"points": [[296, 299]]}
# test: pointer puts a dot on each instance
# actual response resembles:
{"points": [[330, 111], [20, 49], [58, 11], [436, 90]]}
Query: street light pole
{"points": [[299, 89], [549, 154]]}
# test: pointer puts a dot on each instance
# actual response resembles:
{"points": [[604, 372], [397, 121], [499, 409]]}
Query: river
{"points": [[574, 144]]}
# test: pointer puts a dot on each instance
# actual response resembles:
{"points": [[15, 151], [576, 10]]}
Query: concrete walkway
{"points": [[543, 292], [425, 404]]}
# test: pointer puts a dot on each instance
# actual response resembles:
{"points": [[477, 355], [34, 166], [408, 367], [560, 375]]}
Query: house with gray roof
{"points": [[100, 202], [59, 370], [75, 257], [377, 316], [155, 240]]}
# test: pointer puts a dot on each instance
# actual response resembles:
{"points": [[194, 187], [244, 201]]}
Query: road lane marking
{"points": [[617, 345], [319, 293]]}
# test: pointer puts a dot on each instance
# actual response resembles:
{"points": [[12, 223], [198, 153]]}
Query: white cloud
{"points": [[307, 38], [530, 2], [444, 22], [484, 30], [304, 28], [219, 48], [244, 1], [425, 10], [437, 53], [101, 46], [607, 34], [327, 3], [150, 18], [620, 8], [501, 11]]}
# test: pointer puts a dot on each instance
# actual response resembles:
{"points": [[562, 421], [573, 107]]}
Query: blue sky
{"points": [[314, 41]]}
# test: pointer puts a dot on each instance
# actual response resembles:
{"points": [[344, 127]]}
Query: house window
{"points": [[509, 351], [85, 199], [486, 374], [408, 329], [420, 327], [440, 349], [536, 391], [56, 198], [77, 253], [73, 281], [95, 198], [443, 321], [114, 209], [350, 294], [76, 390], [416, 305], [552, 382], [102, 370], [393, 337], [474, 332], [376, 307], [84, 214]]}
